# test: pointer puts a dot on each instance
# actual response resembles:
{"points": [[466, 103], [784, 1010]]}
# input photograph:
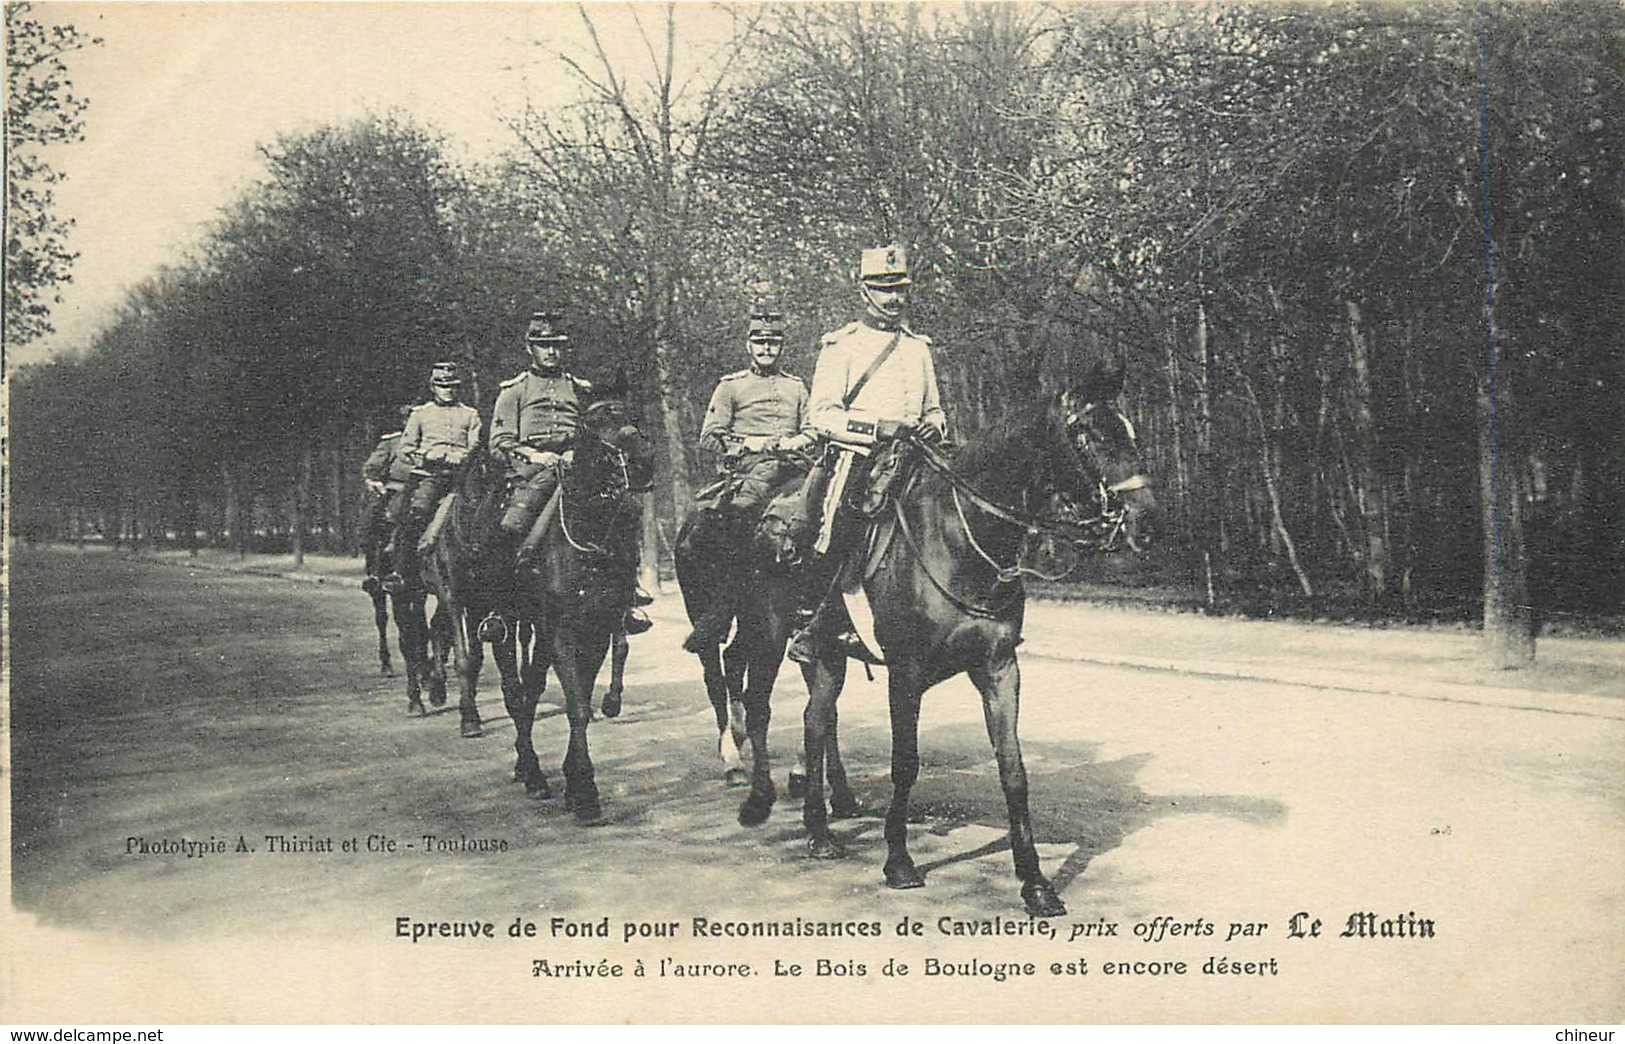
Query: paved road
{"points": [[1187, 774]]}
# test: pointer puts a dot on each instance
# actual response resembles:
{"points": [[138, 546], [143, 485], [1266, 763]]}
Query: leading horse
{"points": [[945, 588]]}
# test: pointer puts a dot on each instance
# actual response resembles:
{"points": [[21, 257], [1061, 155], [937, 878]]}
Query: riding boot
{"points": [[404, 557], [830, 616]]}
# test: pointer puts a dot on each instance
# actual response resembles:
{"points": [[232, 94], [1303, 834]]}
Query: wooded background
{"points": [[1363, 263]]}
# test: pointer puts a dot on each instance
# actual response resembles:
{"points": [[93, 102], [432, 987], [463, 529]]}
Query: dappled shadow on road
{"points": [[1081, 806], [257, 711]]}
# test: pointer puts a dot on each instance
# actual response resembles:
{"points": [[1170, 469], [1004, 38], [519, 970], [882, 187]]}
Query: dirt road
{"points": [[168, 722]]}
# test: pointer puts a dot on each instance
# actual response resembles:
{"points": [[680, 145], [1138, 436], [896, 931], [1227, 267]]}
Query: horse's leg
{"points": [[765, 658], [380, 617], [731, 715], [521, 706], [1000, 685], [843, 804], [412, 630], [619, 648], [903, 679], [468, 655], [440, 651], [577, 658], [825, 678]]}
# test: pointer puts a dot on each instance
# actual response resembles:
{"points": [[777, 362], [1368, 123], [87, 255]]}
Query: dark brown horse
{"points": [[947, 596], [468, 578], [568, 610], [739, 679]]}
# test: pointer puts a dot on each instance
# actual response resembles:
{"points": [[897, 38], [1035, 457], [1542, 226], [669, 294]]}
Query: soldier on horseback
{"points": [[383, 477], [759, 429], [874, 378], [534, 428], [435, 442]]}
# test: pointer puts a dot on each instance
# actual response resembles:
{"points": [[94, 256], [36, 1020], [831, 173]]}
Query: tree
{"points": [[41, 110]]}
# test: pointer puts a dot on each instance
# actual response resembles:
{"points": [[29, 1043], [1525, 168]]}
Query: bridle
{"points": [[1082, 534], [1110, 520], [613, 490]]}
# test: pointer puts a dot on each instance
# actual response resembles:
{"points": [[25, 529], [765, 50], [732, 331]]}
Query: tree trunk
{"points": [[649, 564], [299, 508], [1370, 493], [1207, 512], [671, 418], [1509, 621]]}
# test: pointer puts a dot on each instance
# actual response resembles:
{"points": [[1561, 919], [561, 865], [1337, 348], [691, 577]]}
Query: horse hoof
{"points": [[417, 709], [844, 807], [538, 789], [825, 848], [588, 814], [755, 810], [798, 785], [612, 705], [1041, 899], [386, 670], [437, 699], [735, 777], [470, 730], [904, 875]]}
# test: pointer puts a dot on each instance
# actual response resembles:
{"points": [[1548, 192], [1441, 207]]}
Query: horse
{"points": [[943, 579], [568, 609], [469, 576], [764, 593]]}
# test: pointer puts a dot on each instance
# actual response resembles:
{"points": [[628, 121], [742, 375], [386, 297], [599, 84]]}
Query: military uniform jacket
{"points": [[535, 409], [385, 465], [436, 433], [904, 388], [751, 403]]}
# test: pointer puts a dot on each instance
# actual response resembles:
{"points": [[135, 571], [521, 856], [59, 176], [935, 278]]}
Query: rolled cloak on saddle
{"points": [[438, 523]]}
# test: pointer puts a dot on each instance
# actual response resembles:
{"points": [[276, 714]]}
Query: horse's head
{"points": [[1107, 491], [609, 419]]}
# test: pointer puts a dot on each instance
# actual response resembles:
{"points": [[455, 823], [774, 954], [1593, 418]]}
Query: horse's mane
{"points": [[1008, 445]]}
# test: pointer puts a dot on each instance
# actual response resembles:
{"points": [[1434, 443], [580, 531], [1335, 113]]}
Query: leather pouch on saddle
{"points": [[892, 467]]}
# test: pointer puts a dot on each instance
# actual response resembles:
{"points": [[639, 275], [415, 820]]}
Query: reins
{"points": [[588, 547], [1098, 533]]}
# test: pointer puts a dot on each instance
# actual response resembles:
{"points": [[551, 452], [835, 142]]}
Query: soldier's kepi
{"points": [[874, 378], [534, 427], [758, 426]]}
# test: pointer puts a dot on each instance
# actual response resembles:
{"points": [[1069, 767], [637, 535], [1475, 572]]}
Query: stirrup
{"points": [[493, 629], [802, 648]]}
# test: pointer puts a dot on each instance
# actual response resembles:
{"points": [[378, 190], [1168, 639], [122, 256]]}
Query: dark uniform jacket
{"points": [[750, 403], [537, 410], [385, 465]]}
